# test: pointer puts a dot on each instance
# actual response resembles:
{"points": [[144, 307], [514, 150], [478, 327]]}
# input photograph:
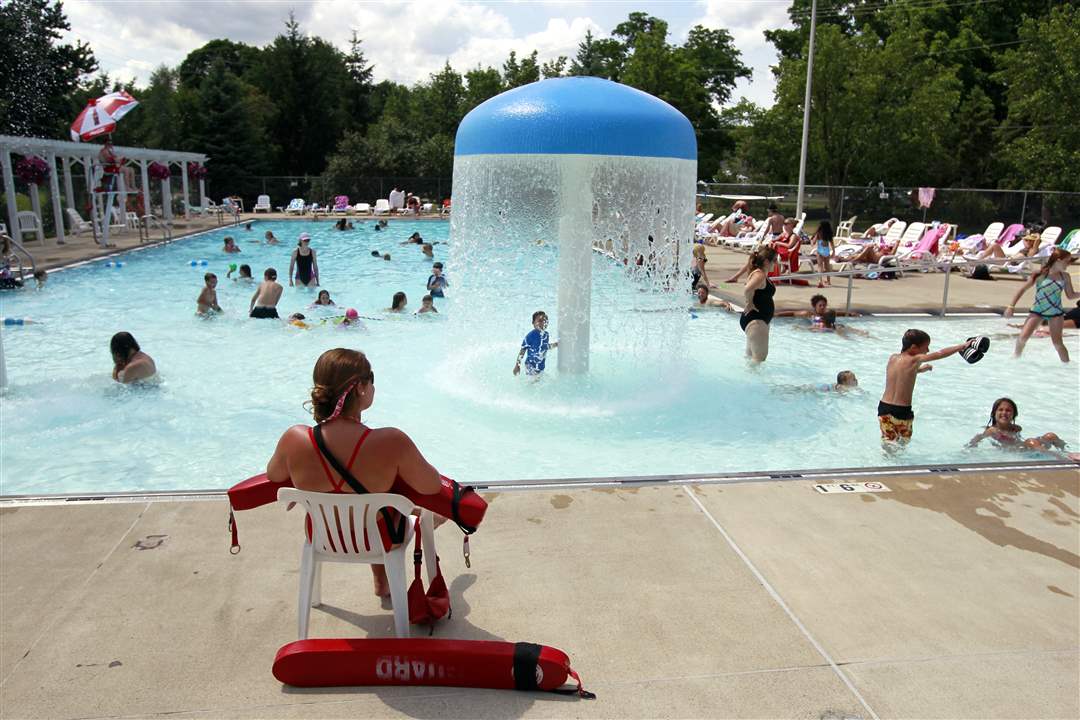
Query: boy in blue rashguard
{"points": [[535, 346]]}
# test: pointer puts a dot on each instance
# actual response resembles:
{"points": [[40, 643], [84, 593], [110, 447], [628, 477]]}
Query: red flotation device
{"points": [[448, 663], [458, 502]]}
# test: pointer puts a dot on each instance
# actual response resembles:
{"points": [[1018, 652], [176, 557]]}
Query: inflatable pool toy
{"points": [[198, 263], [115, 264], [10, 321]]}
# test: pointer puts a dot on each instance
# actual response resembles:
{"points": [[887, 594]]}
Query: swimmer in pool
{"points": [[895, 417], [704, 302], [270, 239], [535, 346], [427, 305], [41, 276], [413, 239], [323, 299], [1003, 431], [398, 303], [244, 274], [207, 302], [437, 282], [297, 320], [351, 321], [130, 363], [230, 246], [264, 301], [427, 250]]}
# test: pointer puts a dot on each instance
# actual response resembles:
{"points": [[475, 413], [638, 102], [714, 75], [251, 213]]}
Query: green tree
{"points": [[1041, 142], [358, 91], [302, 78], [38, 74], [481, 84], [517, 73], [238, 58], [555, 68], [235, 144]]}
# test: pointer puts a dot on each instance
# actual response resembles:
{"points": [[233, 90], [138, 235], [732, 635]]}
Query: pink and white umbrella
{"points": [[99, 116]]}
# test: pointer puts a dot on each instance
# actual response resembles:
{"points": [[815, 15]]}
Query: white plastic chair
{"points": [[131, 220], [382, 206], [844, 228], [76, 223], [28, 222], [345, 530], [262, 203]]}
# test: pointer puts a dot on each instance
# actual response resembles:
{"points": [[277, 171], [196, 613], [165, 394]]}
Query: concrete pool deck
{"points": [[953, 595]]}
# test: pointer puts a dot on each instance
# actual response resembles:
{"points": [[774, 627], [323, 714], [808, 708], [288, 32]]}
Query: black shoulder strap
{"points": [[396, 533], [341, 469]]}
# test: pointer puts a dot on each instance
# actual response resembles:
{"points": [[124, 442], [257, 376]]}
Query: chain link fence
{"points": [[969, 208], [282, 188]]}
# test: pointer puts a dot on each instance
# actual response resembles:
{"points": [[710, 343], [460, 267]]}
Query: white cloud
{"points": [[747, 21], [406, 41]]}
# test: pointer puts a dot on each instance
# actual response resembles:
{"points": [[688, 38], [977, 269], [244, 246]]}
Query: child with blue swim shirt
{"points": [[535, 346], [437, 282]]}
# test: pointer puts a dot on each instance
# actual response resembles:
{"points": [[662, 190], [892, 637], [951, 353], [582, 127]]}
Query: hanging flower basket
{"points": [[32, 169], [197, 171], [159, 171]]}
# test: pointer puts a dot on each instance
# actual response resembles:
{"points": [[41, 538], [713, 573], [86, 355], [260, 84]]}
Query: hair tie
{"points": [[340, 403]]}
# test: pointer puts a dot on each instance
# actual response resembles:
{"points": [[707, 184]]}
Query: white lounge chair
{"points": [[362, 208], [747, 239], [29, 222], [846, 251], [988, 238], [344, 529], [76, 224], [844, 228], [1017, 263], [262, 203], [341, 205], [382, 206], [295, 207]]}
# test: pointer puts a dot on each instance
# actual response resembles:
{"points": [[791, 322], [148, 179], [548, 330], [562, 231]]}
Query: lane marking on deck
{"points": [[76, 596], [780, 601]]}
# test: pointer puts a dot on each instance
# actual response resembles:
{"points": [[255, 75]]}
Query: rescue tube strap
{"points": [[395, 533], [455, 507], [235, 547], [526, 656]]}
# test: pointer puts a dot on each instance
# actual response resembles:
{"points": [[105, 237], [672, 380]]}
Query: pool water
{"points": [[230, 386]]}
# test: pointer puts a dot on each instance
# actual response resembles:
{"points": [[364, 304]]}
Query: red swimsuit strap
{"points": [[336, 486], [318, 453]]}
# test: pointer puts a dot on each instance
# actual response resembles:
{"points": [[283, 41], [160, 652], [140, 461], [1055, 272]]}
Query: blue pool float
{"points": [[197, 263], [9, 321], [114, 264]]}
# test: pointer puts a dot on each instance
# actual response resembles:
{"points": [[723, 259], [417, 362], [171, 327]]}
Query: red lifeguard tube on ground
{"points": [[458, 502], [448, 663]]}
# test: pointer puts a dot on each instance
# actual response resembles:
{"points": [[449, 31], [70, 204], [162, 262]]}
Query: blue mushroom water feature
{"points": [[548, 178]]}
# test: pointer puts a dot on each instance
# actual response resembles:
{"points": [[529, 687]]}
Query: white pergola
{"points": [[86, 154]]}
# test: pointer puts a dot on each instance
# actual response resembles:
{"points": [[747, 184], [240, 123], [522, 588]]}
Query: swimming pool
{"points": [[231, 385]]}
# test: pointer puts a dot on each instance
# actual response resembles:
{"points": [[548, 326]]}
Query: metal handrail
{"points": [[17, 246], [946, 265]]}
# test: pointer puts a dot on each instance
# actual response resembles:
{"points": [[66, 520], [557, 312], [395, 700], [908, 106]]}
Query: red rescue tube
{"points": [[458, 502], [448, 663]]}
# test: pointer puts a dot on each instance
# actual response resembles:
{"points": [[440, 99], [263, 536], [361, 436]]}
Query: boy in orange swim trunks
{"points": [[894, 411]]}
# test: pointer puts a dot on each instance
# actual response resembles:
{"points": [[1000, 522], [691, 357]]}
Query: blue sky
{"points": [[407, 41]]}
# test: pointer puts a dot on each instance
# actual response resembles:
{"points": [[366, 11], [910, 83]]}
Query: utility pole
{"points": [[806, 112]]}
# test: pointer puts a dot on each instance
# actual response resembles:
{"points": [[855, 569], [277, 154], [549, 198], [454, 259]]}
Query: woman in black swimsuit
{"points": [[307, 269], [759, 308]]}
